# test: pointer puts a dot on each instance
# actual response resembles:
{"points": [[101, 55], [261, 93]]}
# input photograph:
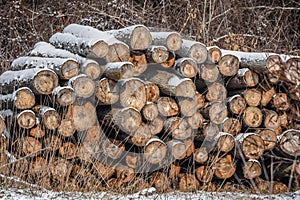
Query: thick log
{"points": [[26, 119], [178, 128], [252, 117], [102, 171], [84, 116], [228, 65], [92, 47], [289, 142], [281, 101], [170, 61], [204, 174], [201, 155], [139, 61], [195, 121], [214, 54], [224, 167], [252, 169], [52, 142], [193, 49], [132, 93], [23, 98], [251, 145], [138, 37], [291, 70], [160, 181], [87, 66], [218, 112], [216, 92], [63, 96], [40, 81], [167, 106], [232, 126], [155, 126], [187, 67], [31, 146], [188, 183], [49, 117], [237, 104], [155, 151], [83, 86], [37, 131], [209, 73], [267, 96], [252, 97], [157, 54], [225, 142], [244, 78], [68, 150], [172, 40], [119, 70], [150, 111], [107, 91]]}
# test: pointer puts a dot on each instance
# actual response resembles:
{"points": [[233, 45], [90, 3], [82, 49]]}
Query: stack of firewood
{"points": [[135, 108]]}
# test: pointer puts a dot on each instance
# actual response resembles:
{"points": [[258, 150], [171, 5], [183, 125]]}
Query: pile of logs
{"points": [[132, 108]]}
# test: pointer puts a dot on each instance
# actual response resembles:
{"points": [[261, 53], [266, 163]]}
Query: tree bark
{"points": [[119, 70]]}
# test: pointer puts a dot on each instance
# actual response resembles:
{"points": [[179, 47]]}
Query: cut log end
{"points": [[107, 91], [237, 104], [174, 41], [209, 73], [24, 98], [198, 52], [188, 183], [64, 96], [69, 69], [216, 92], [289, 142], [152, 92], [140, 38], [84, 87], [26, 119], [218, 112], [31, 146], [45, 81], [253, 117], [92, 70], [155, 151], [99, 49], [232, 126], [224, 167], [252, 146], [253, 97], [252, 169], [118, 52], [84, 116], [229, 65], [167, 106], [225, 143]]}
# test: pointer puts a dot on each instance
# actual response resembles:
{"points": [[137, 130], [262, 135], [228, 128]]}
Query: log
{"points": [[92, 48], [272, 120], [252, 97], [252, 117], [190, 146], [195, 121], [281, 101], [152, 91], [228, 65], [267, 96], [3, 144], [170, 61], [124, 173], [216, 92], [119, 70], [167, 106], [157, 54], [201, 155], [132, 93], [155, 151], [84, 116], [225, 142], [141, 135], [172, 40], [87, 66], [209, 73], [214, 54], [174, 171], [177, 149], [289, 142], [23, 98], [187, 67], [2, 124], [155, 126], [128, 119], [252, 169], [218, 112], [138, 37], [270, 187], [204, 174], [133, 160], [83, 86], [102, 171], [291, 70], [178, 128], [26, 119], [107, 91], [236, 104], [232, 126], [150, 111], [38, 168], [251, 145], [40, 81], [49, 117], [139, 61], [193, 49], [52, 142], [31, 146], [224, 167], [60, 169], [187, 106], [200, 99], [159, 181], [188, 183], [244, 78], [209, 132], [68, 150], [112, 149], [37, 131], [63, 96]]}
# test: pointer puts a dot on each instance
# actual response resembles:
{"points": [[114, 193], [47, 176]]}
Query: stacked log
{"points": [[94, 109]]}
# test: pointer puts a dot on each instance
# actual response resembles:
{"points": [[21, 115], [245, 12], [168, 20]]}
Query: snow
{"points": [[146, 194]]}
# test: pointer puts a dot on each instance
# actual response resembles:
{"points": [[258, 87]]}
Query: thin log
{"points": [[237, 104], [68, 150], [244, 78], [172, 40], [214, 54], [177, 149], [26, 119], [252, 117], [157, 54], [187, 106], [40, 81], [272, 120], [141, 135], [291, 70], [170, 61], [63, 96], [174, 171], [155, 126], [132, 93], [60, 169], [252, 97], [167, 106], [200, 99], [225, 142], [83, 86], [138, 37], [119, 70], [252, 169], [133, 160], [216, 92], [269, 137], [289, 142], [37, 131], [209, 73], [232, 126], [93, 48], [218, 112], [155, 151], [228, 65], [251, 145], [193, 49], [195, 121], [188, 183], [201, 155], [102, 171], [281, 101], [2, 124], [124, 173], [65, 68], [224, 167], [107, 91], [152, 91], [187, 67], [23, 98], [150, 111], [190, 146]]}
